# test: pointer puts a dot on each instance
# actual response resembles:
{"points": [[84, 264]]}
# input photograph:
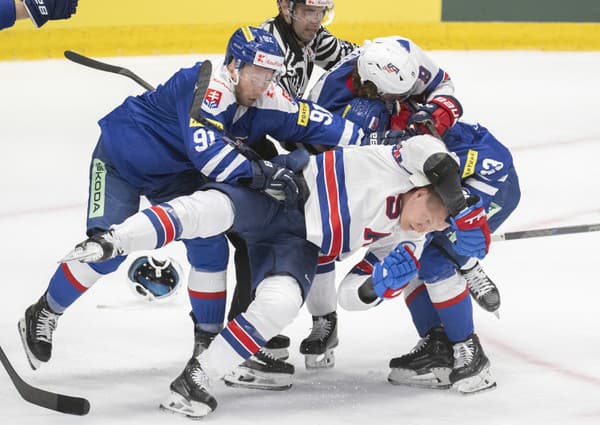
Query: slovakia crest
{"points": [[212, 98]]}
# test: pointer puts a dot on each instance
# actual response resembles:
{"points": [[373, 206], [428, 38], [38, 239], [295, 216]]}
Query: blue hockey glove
{"points": [[441, 112], [42, 11], [472, 230], [368, 114], [276, 181], [395, 271], [389, 137], [294, 161]]}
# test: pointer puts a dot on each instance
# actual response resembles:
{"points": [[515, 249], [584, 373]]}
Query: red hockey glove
{"points": [[442, 112]]}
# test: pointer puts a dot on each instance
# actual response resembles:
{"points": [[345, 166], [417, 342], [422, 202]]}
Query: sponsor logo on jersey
{"points": [[194, 123], [96, 208], [470, 163], [303, 114], [212, 98]]}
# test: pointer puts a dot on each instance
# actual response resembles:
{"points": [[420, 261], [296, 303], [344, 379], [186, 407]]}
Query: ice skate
{"points": [[99, 247], [428, 365], [278, 347], [189, 393], [262, 371], [471, 372], [482, 289], [36, 329], [318, 346]]}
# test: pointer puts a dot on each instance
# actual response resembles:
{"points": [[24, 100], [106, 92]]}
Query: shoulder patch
{"points": [[470, 163], [212, 99], [303, 114]]}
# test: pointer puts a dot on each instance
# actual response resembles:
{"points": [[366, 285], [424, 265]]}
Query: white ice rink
{"points": [[545, 349]]}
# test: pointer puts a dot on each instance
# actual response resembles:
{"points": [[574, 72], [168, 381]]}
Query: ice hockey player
{"points": [[175, 155], [411, 190], [40, 11], [368, 83], [299, 29]]}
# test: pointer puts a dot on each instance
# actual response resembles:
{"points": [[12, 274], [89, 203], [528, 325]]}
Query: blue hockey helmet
{"points": [[153, 279], [254, 46]]}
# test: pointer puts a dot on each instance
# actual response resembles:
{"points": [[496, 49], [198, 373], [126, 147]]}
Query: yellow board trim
{"points": [[16, 44]]}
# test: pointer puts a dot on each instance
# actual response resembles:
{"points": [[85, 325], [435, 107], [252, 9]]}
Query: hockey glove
{"points": [[276, 181], [472, 229], [395, 271], [390, 137], [441, 112], [399, 121], [41, 11]]}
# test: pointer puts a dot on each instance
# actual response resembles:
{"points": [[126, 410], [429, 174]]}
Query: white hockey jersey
{"points": [[355, 195]]}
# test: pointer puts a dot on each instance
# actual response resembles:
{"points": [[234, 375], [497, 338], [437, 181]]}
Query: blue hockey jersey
{"points": [[150, 138]]}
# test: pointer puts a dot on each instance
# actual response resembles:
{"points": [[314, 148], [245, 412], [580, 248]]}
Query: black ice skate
{"points": [[471, 372], [202, 339], [428, 365], [318, 346], [36, 329], [99, 247], [482, 289], [278, 347], [189, 393], [262, 371]]}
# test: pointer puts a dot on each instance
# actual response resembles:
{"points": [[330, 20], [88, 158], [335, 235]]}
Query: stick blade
{"points": [[58, 402]]}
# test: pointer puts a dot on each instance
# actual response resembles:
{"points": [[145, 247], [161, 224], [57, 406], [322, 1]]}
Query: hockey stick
{"points": [[92, 63], [550, 231], [202, 82], [49, 400]]}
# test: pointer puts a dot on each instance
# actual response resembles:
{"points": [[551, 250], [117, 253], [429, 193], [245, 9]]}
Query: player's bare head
{"points": [[385, 69], [423, 211], [306, 16], [254, 61]]}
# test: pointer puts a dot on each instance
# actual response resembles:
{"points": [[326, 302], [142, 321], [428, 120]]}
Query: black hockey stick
{"points": [[202, 83], [92, 63], [550, 231], [53, 401]]}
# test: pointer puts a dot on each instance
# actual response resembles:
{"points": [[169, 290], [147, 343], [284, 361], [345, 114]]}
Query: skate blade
{"points": [[33, 361], [243, 377], [89, 254], [177, 404], [320, 361], [437, 378], [474, 384]]}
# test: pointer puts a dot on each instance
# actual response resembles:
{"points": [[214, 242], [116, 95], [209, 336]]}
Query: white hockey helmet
{"points": [[388, 65]]}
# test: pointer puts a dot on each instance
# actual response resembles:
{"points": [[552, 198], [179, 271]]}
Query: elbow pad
{"points": [[444, 174]]}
